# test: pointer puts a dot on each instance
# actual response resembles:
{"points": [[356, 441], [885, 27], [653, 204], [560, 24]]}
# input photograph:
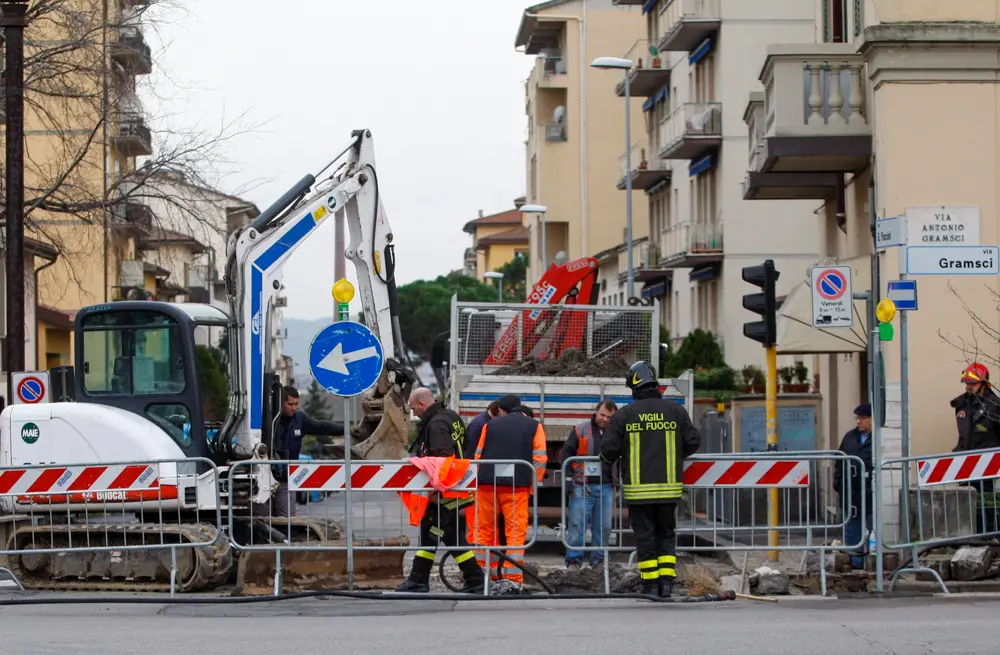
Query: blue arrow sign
{"points": [[346, 358]]}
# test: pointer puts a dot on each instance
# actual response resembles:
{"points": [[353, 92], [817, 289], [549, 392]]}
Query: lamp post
{"points": [[539, 209], [494, 275], [625, 65]]}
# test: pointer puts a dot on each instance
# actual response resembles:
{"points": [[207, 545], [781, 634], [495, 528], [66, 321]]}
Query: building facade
{"points": [[497, 239], [693, 72], [576, 128]]}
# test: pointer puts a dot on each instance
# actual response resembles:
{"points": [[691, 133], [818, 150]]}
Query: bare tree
{"points": [[983, 343], [86, 129]]}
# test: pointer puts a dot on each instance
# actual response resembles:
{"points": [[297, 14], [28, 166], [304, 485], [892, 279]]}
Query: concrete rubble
{"points": [[766, 581], [971, 563], [572, 363]]}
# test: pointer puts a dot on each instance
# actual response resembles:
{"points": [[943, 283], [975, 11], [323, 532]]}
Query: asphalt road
{"points": [[793, 627]]}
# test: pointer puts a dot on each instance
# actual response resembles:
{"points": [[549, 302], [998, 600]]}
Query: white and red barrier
{"points": [[747, 473], [401, 476], [958, 468], [79, 479]]}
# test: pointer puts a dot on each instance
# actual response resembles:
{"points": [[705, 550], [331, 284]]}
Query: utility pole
{"points": [[12, 20]]}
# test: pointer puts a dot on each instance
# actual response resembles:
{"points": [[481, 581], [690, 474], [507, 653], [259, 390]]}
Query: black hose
{"points": [[503, 558], [361, 595]]}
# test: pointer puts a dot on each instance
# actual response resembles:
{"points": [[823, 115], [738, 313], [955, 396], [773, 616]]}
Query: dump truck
{"points": [[562, 376]]}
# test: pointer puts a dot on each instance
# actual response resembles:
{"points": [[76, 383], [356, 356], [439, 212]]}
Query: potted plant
{"points": [[801, 379], [754, 379], [787, 374], [643, 164], [653, 50]]}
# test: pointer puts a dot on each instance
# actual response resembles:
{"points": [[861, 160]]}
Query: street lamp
{"points": [[625, 65], [494, 275], [539, 209]]}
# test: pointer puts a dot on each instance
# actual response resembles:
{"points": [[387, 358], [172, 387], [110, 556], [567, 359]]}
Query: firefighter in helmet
{"points": [[652, 436], [977, 413]]}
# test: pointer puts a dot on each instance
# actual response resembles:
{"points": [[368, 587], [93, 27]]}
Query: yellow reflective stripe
{"points": [[634, 456], [426, 554], [436, 531], [667, 559], [671, 442], [667, 573], [648, 564], [467, 555], [649, 575]]}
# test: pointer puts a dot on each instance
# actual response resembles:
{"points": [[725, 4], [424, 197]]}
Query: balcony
{"points": [[645, 174], [815, 110], [691, 130], [645, 261], [691, 244], [133, 138], [550, 72], [555, 132], [649, 72], [133, 219], [132, 51], [686, 23], [777, 186]]}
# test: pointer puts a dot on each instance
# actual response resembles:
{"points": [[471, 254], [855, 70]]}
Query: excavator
{"points": [[135, 396]]}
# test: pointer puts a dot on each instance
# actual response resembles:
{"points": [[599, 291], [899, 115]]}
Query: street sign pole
{"points": [[875, 350]]}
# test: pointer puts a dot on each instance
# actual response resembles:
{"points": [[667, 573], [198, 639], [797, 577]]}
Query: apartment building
{"points": [[498, 238], [576, 128], [693, 72], [829, 116]]}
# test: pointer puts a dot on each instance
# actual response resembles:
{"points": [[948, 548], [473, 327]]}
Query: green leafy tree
{"points": [[315, 404], [212, 379], [699, 350], [425, 309], [515, 275]]}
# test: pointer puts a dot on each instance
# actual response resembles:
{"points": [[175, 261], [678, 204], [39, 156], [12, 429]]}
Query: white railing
{"points": [[643, 158], [673, 12], [692, 238], [755, 128], [815, 90], [692, 119], [643, 253], [642, 57]]}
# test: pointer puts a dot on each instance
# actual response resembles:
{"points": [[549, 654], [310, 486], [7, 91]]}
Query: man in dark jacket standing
{"points": [[442, 434], [857, 443], [652, 436], [593, 492], [292, 425], [977, 414]]}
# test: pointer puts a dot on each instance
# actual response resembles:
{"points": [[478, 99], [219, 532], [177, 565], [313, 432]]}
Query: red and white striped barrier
{"points": [[960, 468], [79, 479], [747, 473], [367, 477]]}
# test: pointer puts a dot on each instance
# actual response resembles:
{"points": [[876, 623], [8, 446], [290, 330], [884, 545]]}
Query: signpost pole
{"points": [[875, 348], [904, 397]]}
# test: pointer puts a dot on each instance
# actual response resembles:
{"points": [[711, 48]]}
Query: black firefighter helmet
{"points": [[641, 375]]}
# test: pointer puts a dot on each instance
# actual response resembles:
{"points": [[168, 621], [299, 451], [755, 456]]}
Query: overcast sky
{"points": [[437, 82]]}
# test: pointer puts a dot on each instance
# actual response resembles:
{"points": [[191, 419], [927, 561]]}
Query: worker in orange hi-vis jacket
{"points": [[507, 488]]}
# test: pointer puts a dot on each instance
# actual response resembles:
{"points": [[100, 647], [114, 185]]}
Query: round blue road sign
{"points": [[346, 358]]}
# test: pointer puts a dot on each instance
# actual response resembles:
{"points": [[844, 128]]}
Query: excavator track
{"points": [[200, 568]]}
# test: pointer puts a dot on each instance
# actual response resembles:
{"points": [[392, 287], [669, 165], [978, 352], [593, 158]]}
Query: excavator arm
{"points": [[256, 256]]}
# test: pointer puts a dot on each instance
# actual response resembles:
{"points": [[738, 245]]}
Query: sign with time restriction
{"points": [[832, 296]]}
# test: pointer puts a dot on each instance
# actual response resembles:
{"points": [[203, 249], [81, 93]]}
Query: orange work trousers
{"points": [[513, 504]]}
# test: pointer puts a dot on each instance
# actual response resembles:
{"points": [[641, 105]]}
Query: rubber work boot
{"points": [[666, 588], [649, 589], [420, 576], [475, 579]]}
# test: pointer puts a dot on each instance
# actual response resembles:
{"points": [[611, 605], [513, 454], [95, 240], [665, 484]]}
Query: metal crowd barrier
{"points": [[954, 500], [99, 507], [319, 493], [725, 506]]}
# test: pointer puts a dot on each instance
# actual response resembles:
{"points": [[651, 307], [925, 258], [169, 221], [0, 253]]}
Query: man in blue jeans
{"points": [[857, 443], [592, 502]]}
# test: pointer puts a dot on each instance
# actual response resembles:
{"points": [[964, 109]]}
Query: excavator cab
{"points": [[141, 356]]}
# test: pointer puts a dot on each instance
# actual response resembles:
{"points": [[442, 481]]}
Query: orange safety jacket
{"points": [[445, 473]]}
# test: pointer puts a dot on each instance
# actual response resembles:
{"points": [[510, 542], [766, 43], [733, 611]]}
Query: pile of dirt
{"points": [[572, 363]]}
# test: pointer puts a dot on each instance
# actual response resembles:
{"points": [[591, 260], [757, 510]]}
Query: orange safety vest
{"points": [[445, 472], [584, 431]]}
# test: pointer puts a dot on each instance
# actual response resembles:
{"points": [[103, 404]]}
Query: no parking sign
{"points": [[30, 388]]}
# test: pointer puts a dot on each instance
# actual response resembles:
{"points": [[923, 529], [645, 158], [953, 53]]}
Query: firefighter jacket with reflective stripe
{"points": [[445, 474], [652, 437], [442, 433], [512, 437]]}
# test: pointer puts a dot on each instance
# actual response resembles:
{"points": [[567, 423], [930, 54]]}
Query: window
{"points": [[174, 419], [132, 354]]}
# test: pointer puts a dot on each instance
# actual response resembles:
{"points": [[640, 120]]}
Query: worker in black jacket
{"points": [[652, 436], [442, 434], [859, 483], [977, 417]]}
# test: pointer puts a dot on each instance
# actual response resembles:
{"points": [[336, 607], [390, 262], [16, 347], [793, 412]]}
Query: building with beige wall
{"points": [[576, 127], [904, 92], [497, 239], [693, 70]]}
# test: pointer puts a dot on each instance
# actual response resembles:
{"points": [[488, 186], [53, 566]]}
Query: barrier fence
{"points": [[954, 501], [384, 497], [724, 506], [126, 515]]}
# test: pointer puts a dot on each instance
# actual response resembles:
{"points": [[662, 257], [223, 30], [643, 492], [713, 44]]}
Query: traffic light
{"points": [[763, 276]]}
